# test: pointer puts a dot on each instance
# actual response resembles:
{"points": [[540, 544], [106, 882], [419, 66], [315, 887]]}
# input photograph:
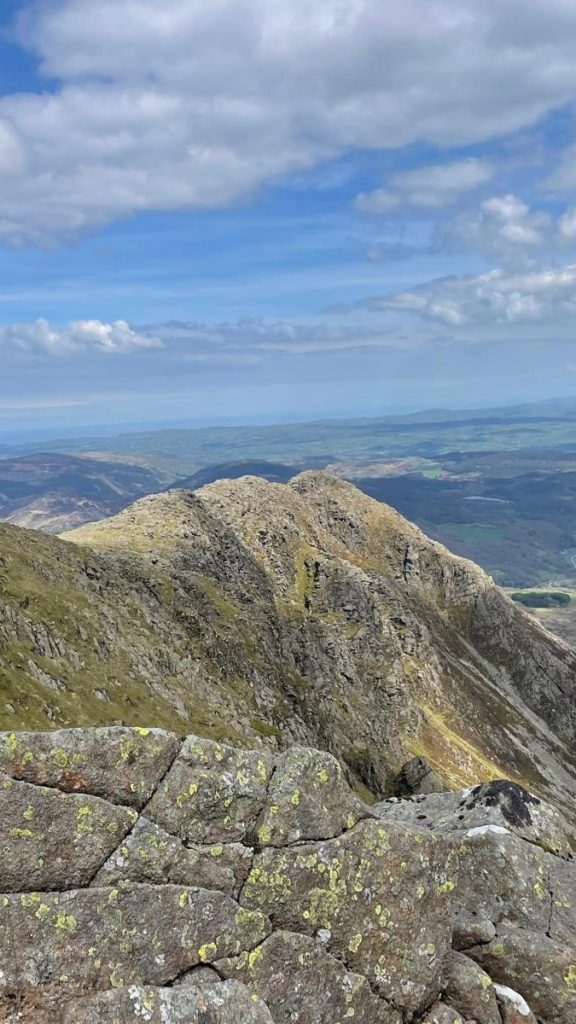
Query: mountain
{"points": [[259, 613], [274, 472], [55, 492]]}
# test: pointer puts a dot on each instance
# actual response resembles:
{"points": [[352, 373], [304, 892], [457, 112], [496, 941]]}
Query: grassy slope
{"points": [[458, 716], [229, 615]]}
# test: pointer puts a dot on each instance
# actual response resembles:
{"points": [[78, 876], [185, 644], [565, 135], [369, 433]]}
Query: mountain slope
{"points": [[306, 612], [55, 492]]}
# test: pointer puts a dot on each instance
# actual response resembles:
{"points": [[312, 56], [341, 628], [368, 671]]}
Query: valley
{"points": [[54, 492]]}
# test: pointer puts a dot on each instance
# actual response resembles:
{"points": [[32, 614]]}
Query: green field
{"points": [[428, 434], [559, 619]]}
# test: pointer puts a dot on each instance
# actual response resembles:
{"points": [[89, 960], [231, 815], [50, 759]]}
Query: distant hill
{"points": [[274, 472], [428, 433], [55, 492]]}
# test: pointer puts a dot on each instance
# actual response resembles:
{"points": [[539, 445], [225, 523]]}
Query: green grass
{"points": [[542, 598]]}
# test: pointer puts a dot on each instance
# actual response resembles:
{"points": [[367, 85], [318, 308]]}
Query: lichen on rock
{"points": [[272, 895]]}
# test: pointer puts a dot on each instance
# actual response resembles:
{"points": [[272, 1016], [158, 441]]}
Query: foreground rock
{"points": [[221, 1003], [189, 882]]}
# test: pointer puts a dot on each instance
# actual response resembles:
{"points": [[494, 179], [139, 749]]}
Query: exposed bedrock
{"points": [[146, 878]]}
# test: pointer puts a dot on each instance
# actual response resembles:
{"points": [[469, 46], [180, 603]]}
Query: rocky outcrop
{"points": [[271, 616], [146, 878], [417, 776]]}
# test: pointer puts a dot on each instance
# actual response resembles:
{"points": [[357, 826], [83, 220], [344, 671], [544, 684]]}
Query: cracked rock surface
{"points": [[148, 879]]}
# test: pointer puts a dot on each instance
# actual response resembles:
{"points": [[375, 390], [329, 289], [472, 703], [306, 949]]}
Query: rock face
{"points": [[159, 880], [270, 616]]}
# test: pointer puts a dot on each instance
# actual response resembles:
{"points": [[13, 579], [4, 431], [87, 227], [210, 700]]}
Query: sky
{"points": [[255, 210]]}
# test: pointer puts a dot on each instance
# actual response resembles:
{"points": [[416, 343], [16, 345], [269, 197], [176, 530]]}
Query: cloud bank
{"points": [[189, 105], [546, 296], [39, 337]]}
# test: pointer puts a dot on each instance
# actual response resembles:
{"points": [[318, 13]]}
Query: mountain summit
{"points": [[269, 614]]}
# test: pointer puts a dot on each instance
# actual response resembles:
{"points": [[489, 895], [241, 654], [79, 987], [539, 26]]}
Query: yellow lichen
{"points": [[207, 952], [116, 980], [447, 886], [570, 977], [264, 834], [65, 922]]}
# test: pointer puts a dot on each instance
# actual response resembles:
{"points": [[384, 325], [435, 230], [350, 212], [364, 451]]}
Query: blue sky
{"points": [[257, 210]]}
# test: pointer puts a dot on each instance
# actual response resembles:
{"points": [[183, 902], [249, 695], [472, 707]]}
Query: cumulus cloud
{"points": [[78, 336], [188, 104], [427, 187], [546, 296], [503, 225], [512, 220]]}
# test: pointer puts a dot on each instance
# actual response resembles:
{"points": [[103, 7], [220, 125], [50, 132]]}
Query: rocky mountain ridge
{"points": [[146, 878], [273, 615]]}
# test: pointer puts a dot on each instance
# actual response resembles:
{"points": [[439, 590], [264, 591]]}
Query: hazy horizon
{"points": [[14, 436]]}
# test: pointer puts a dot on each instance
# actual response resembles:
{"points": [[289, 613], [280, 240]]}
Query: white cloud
{"points": [[246, 341], [185, 104], [567, 224], [546, 296], [252, 339], [513, 221], [503, 225], [78, 336], [427, 187], [12, 159]]}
